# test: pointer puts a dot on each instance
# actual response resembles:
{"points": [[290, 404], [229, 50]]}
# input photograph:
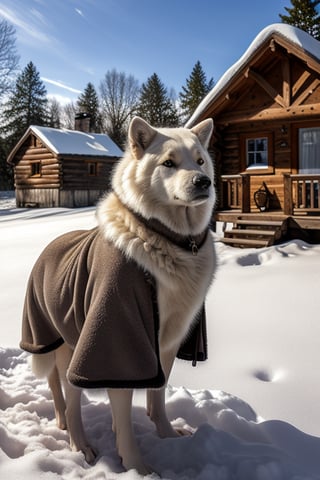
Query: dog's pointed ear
{"points": [[204, 131], [140, 136]]}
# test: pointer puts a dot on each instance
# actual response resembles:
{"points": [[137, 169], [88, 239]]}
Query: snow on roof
{"points": [[73, 142], [293, 34]]}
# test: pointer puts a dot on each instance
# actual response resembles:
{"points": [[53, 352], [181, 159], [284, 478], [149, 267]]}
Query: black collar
{"points": [[190, 243]]}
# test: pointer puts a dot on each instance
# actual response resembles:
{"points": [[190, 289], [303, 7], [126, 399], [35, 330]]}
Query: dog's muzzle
{"points": [[202, 182]]}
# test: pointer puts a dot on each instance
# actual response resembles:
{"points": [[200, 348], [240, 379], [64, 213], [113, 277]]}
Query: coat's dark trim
{"points": [[41, 348], [195, 347], [155, 382]]}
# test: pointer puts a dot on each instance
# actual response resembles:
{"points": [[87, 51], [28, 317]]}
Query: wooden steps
{"points": [[245, 242], [267, 223], [254, 233]]}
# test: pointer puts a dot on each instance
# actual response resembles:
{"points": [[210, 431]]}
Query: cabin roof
{"points": [[71, 142], [286, 35]]}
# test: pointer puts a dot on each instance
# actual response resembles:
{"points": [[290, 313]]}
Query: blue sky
{"points": [[73, 42]]}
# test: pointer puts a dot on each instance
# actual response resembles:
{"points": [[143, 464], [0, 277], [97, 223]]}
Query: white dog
{"points": [[110, 307]]}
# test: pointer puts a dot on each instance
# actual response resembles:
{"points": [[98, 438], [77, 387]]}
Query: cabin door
{"points": [[309, 150]]}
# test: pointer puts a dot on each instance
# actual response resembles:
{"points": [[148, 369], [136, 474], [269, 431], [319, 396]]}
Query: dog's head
{"points": [[167, 174]]}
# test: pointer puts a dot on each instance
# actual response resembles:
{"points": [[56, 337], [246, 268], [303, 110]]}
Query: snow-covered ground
{"points": [[253, 406]]}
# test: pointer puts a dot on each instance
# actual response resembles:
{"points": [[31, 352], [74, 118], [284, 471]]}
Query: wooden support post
{"points": [[245, 192], [288, 207]]}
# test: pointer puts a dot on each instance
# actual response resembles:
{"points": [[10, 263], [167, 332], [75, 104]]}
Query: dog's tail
{"points": [[42, 364]]}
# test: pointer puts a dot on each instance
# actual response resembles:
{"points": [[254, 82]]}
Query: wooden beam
{"points": [[36, 156], [300, 111], [305, 94], [286, 82], [301, 80], [299, 52], [272, 92]]}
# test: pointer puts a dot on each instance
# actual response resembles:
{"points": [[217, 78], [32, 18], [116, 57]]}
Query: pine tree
{"points": [[27, 105], [6, 172], [195, 90], [88, 102], [155, 104], [304, 15]]}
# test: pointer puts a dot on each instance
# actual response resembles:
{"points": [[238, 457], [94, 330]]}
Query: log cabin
{"points": [[266, 140], [62, 168]]}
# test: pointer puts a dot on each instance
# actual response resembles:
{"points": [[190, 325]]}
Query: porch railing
{"points": [[235, 192], [301, 194]]}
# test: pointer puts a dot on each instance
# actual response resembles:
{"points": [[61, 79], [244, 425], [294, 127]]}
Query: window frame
{"points": [[36, 169], [92, 169], [256, 169], [307, 170]]}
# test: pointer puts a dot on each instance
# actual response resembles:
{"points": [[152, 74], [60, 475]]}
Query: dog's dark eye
{"points": [[200, 161], [168, 163]]}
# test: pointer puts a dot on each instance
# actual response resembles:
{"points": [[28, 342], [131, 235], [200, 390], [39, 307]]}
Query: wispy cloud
{"points": [[59, 84], [38, 15], [29, 30], [80, 12], [61, 99]]}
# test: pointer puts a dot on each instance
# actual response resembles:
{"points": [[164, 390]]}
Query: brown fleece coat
{"points": [[84, 291]]}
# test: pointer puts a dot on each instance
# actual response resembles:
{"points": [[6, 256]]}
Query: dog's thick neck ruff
{"points": [[129, 230], [190, 243]]}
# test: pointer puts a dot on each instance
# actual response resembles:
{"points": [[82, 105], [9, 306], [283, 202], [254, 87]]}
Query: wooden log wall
{"points": [[53, 197], [79, 198], [37, 197], [50, 169], [231, 161], [75, 174]]}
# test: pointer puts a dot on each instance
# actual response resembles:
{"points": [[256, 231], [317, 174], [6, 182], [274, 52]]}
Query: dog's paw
{"points": [[61, 422], [182, 428], [139, 466], [131, 460], [183, 432], [89, 454]]}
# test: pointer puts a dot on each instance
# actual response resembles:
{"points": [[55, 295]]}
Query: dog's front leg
{"points": [[78, 440], [157, 412], [156, 407], [121, 405]]}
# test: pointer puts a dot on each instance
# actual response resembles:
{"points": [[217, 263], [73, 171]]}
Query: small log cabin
{"points": [[62, 168], [266, 141]]}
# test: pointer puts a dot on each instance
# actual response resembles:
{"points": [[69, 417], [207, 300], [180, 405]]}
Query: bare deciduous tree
{"points": [[9, 58], [119, 96], [54, 112], [68, 115]]}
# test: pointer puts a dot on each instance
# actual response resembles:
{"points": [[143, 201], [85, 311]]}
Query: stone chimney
{"points": [[82, 122]]}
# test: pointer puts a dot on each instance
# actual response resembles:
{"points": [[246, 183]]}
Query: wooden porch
{"points": [[245, 225]]}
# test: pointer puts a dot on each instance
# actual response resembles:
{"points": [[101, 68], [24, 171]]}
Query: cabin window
{"points": [[309, 150], [257, 152], [92, 168], [35, 169]]}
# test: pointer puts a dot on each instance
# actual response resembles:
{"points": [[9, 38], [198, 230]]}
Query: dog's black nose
{"points": [[201, 181]]}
